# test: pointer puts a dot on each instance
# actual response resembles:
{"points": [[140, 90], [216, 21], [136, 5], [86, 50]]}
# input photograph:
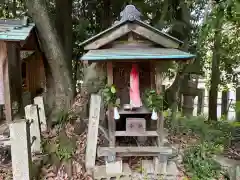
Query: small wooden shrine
{"points": [[21, 67], [128, 43]]}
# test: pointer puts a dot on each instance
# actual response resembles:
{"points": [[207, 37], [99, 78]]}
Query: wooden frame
{"points": [[126, 28], [111, 122]]}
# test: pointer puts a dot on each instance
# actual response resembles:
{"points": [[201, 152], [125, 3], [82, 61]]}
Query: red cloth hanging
{"points": [[135, 99]]}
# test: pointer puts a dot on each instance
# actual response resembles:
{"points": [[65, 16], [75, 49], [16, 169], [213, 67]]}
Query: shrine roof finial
{"points": [[130, 13]]}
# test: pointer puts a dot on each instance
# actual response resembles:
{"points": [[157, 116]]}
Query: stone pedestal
{"points": [[31, 114], [20, 150], [42, 116]]}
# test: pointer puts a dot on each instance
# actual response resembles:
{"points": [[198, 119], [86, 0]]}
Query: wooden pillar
{"points": [[111, 121], [160, 121], [14, 58], [152, 75], [13, 81], [7, 90]]}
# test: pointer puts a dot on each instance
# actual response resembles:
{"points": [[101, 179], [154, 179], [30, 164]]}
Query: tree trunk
{"points": [[14, 8], [224, 108], [60, 89], [187, 105], [215, 76], [64, 26], [107, 17]]}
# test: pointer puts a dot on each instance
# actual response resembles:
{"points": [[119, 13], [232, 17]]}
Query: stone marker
{"points": [[147, 167], [160, 164], [94, 114], [114, 167], [39, 102], [20, 150], [31, 114], [100, 173]]}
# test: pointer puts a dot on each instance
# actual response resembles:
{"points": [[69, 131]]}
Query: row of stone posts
{"points": [[25, 139]]}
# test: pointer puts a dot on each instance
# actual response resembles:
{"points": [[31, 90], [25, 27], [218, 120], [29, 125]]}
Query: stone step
{"points": [[101, 174], [149, 170]]}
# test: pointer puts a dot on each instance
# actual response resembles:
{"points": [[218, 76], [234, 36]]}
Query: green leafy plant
{"points": [[62, 117], [64, 153], [199, 163], [218, 132], [65, 146], [110, 96], [153, 100]]}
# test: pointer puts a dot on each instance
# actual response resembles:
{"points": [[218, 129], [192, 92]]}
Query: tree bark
{"points": [[64, 25], [14, 8], [215, 76], [60, 89], [107, 16]]}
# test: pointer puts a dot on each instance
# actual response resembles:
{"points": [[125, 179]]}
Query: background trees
{"points": [[208, 29]]}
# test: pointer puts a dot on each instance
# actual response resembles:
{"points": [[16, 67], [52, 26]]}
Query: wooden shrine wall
{"points": [[121, 78], [35, 74]]}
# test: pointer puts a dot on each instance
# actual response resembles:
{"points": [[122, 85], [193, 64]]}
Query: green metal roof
{"points": [[138, 53], [14, 30]]}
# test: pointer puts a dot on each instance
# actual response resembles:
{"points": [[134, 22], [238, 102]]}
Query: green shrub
{"points": [[218, 132], [199, 164]]}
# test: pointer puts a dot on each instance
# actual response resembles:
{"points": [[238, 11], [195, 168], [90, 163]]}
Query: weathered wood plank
{"points": [[141, 110], [92, 136], [152, 36], [111, 121], [160, 121], [20, 150], [16, 76], [31, 114], [7, 91], [109, 37], [146, 133], [135, 28], [103, 151]]}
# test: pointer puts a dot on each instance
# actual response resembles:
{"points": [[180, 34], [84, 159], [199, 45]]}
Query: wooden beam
{"points": [[152, 75], [14, 49], [109, 37], [111, 121], [154, 37], [103, 151], [7, 90], [160, 90], [146, 133]]}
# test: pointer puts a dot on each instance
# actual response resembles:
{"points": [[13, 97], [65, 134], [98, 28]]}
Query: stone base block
{"points": [[101, 174]]}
